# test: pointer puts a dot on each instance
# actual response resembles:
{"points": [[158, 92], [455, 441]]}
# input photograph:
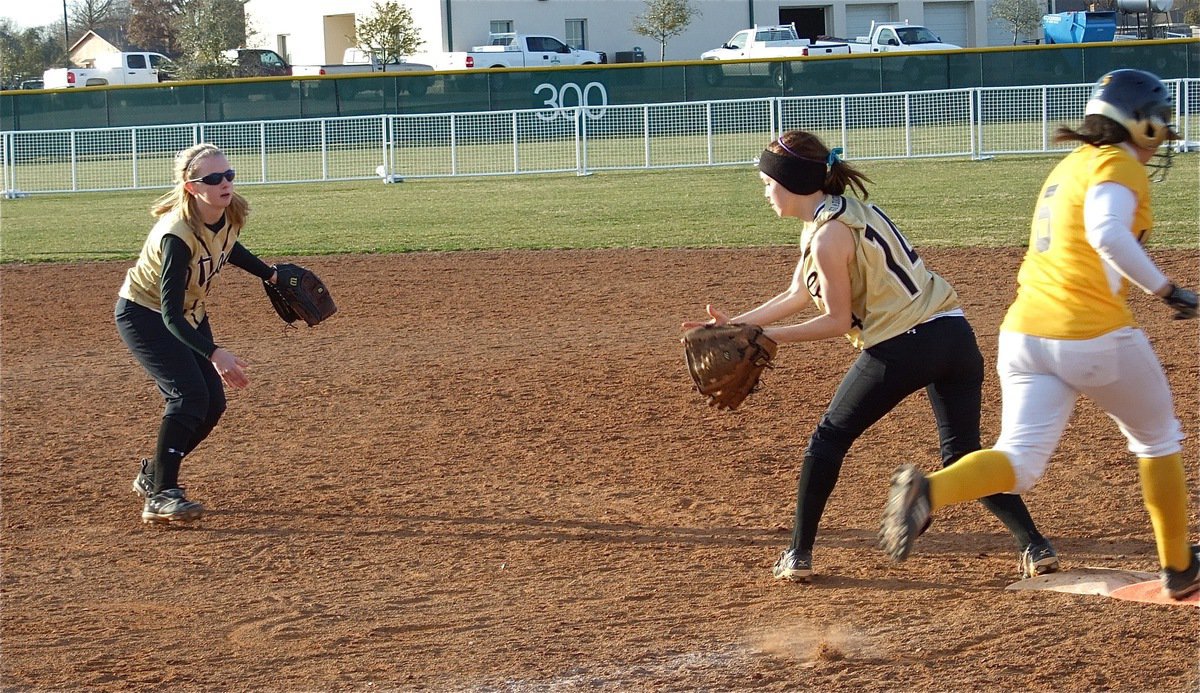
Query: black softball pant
{"points": [[194, 393], [940, 356]]}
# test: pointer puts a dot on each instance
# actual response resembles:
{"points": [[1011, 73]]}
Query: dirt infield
{"points": [[488, 471]]}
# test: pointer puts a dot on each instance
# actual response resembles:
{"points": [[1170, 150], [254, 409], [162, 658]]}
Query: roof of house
{"points": [[114, 37]]}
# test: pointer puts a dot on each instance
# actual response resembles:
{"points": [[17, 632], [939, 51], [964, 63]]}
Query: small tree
{"points": [[27, 53], [664, 19], [389, 32], [206, 29], [1024, 16], [1191, 12]]}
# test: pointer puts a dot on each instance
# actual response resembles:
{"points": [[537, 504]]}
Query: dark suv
{"points": [[259, 62]]}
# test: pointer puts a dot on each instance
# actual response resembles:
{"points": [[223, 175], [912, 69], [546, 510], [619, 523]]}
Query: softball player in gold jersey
{"points": [[161, 317], [871, 286], [1070, 332]]}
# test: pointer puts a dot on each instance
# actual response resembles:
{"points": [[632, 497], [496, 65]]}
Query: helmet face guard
{"points": [[1141, 103], [1160, 163]]}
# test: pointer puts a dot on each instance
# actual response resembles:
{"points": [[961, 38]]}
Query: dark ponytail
{"points": [[839, 174], [1095, 130]]}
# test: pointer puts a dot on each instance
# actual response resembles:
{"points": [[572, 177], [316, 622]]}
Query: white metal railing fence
{"points": [[977, 122]]}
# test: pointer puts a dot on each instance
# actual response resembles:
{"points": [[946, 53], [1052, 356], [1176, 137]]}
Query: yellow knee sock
{"points": [[976, 475], [1164, 489]]}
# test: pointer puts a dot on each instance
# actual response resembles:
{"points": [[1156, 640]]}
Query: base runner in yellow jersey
{"points": [[1070, 332], [869, 285], [160, 315]]}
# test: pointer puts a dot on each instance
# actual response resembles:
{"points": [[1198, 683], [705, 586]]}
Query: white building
{"points": [[318, 31]]}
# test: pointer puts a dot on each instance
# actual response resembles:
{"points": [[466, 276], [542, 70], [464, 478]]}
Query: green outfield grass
{"points": [[937, 202]]}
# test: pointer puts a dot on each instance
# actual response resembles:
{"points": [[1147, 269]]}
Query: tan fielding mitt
{"points": [[726, 361]]}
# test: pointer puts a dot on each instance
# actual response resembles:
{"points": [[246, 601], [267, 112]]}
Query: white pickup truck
{"points": [[356, 61], [110, 68], [761, 42], [512, 50], [898, 37]]}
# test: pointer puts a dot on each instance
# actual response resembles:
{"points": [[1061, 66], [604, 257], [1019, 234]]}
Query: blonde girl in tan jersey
{"points": [[161, 317]]}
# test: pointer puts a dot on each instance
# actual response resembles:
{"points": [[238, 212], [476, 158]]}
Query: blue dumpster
{"points": [[1079, 27]]}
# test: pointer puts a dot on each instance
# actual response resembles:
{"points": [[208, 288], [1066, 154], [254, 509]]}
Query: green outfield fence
{"points": [[283, 98], [967, 122]]}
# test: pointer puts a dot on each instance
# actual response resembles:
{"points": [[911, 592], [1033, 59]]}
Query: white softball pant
{"points": [[1040, 379]]}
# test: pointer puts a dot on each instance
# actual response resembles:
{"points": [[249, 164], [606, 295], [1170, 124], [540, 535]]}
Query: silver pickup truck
{"points": [[358, 62], [743, 55]]}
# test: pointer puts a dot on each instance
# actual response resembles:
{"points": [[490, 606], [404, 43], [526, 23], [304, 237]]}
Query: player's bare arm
{"points": [[782, 305], [833, 248]]}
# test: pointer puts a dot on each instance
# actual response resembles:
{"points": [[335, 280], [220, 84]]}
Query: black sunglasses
{"points": [[214, 178]]}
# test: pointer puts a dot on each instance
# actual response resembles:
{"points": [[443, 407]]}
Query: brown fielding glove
{"points": [[299, 294], [725, 361]]}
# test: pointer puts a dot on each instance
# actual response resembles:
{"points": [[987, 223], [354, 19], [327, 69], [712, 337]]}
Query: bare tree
{"points": [[1024, 16], [99, 15], [388, 32], [664, 19], [152, 25]]}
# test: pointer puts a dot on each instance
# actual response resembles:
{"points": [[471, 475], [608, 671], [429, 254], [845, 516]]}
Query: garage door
{"points": [[950, 21], [859, 17]]}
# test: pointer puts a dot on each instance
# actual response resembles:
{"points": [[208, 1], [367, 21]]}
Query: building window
{"points": [[576, 33], [500, 26], [281, 46]]}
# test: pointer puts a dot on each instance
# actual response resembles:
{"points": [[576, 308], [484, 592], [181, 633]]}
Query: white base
{"points": [[1099, 581]]}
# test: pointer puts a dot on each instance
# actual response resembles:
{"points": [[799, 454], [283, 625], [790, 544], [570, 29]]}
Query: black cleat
{"points": [[143, 483], [793, 566], [1038, 559], [1178, 584], [170, 506], [906, 515]]}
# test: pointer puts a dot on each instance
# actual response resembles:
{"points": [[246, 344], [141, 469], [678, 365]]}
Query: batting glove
{"points": [[1183, 301]]}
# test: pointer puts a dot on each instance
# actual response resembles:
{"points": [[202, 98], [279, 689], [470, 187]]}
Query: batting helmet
{"points": [[1137, 100]]}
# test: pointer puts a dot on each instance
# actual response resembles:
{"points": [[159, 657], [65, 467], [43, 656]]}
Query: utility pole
{"points": [[66, 34]]}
